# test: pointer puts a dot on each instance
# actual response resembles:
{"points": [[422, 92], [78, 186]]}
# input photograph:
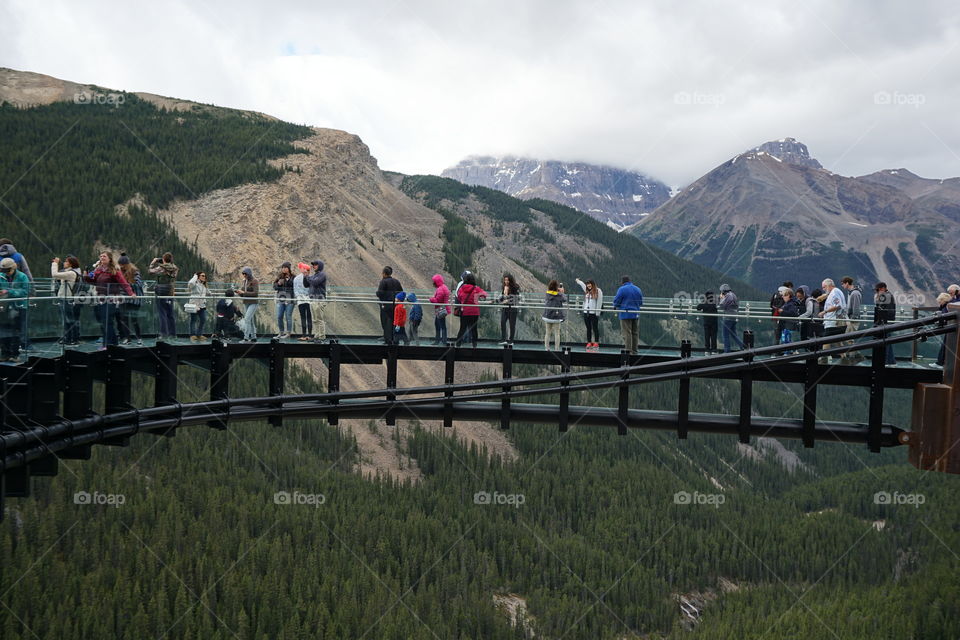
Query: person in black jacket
{"points": [[387, 295], [884, 312], [709, 308]]}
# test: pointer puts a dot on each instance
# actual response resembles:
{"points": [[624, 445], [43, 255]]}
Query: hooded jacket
{"points": [[166, 273], [9, 251], [441, 296], [250, 289], [468, 296], [317, 282], [554, 312]]}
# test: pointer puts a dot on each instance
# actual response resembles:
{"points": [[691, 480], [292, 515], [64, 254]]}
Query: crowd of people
{"points": [[115, 289]]}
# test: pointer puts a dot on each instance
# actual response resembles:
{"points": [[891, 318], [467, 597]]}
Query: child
{"points": [[416, 316], [400, 320], [227, 315], [789, 311]]}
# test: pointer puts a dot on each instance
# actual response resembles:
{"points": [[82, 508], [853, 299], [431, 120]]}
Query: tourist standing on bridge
{"points": [[166, 272], [109, 283], [628, 300], [884, 312], [14, 284], [709, 310], [387, 294], [854, 311], [414, 318], [7, 250], [729, 308], [283, 286], [554, 313], [301, 292], [68, 282], [129, 319], [440, 298], [317, 285], [592, 305], [199, 292], [509, 297], [834, 314], [250, 294], [943, 300], [808, 311], [789, 311], [468, 298], [400, 320]]}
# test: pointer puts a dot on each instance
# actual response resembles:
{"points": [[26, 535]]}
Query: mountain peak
{"points": [[789, 150]]}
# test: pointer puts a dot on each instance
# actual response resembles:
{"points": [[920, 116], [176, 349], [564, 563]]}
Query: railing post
{"points": [[877, 374], [683, 402], [936, 420], [564, 417], [219, 377], [746, 390], [391, 382], [507, 374], [118, 389], [333, 378], [450, 363], [810, 401], [623, 403]]}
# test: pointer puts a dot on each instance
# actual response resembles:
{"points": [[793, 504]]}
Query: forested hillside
{"points": [[66, 167]]}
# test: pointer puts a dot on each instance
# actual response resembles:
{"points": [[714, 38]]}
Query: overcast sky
{"points": [[670, 89]]}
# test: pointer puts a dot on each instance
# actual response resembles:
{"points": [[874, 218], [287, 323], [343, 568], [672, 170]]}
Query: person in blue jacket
{"points": [[628, 300], [414, 319]]}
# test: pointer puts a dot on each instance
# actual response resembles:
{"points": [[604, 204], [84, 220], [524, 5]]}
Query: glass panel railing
{"points": [[47, 325]]}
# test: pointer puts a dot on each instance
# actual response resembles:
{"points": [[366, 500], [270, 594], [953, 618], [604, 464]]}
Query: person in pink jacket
{"points": [[468, 298], [440, 298]]}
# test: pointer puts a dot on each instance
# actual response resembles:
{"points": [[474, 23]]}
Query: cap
{"points": [[124, 259], [8, 263], [401, 296], [724, 288]]}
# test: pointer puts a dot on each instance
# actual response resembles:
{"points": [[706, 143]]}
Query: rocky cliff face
{"points": [[773, 213], [611, 195]]}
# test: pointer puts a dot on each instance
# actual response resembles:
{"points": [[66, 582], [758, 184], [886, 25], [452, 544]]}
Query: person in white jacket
{"points": [[199, 293], [592, 305], [67, 280]]}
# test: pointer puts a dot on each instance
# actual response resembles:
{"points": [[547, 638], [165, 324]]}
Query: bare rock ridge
{"points": [[774, 213], [616, 196]]}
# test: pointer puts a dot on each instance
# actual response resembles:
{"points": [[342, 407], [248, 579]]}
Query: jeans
{"points": [[129, 322], [306, 319], [316, 314], [413, 332], [468, 329], [284, 312], [730, 334], [710, 337], [386, 322], [508, 316], [249, 322], [552, 329], [630, 328], [168, 325], [106, 314], [592, 322], [197, 322], [440, 327], [71, 321]]}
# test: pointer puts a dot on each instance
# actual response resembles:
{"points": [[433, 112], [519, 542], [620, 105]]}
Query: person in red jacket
{"points": [[440, 298], [468, 296], [400, 320], [110, 284]]}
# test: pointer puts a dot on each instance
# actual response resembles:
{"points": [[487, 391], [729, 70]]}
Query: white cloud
{"points": [[426, 83]]}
